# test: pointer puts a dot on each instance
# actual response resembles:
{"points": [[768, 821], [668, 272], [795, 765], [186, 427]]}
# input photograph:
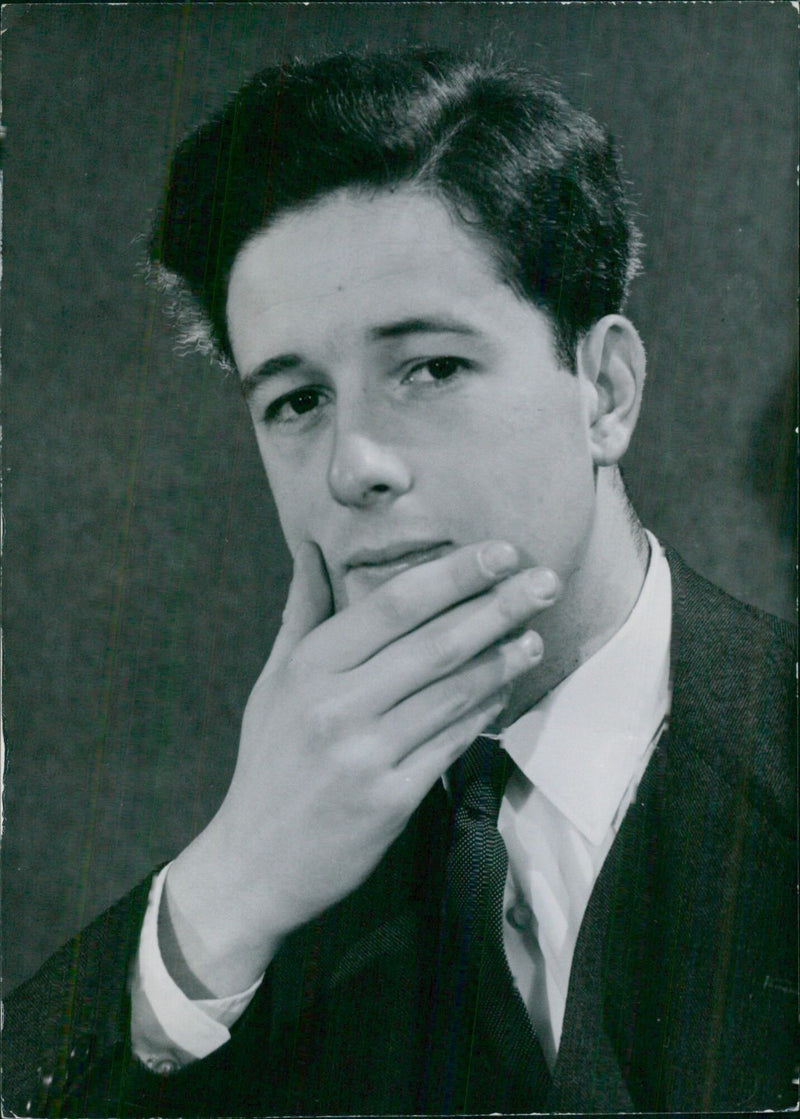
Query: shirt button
{"points": [[519, 915], [163, 1067]]}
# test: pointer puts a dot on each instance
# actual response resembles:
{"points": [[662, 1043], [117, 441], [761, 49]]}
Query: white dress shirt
{"points": [[579, 755]]}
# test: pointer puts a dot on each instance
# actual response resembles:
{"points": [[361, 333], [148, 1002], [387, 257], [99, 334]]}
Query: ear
{"points": [[611, 366]]}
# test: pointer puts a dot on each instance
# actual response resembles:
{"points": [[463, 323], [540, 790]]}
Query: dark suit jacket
{"points": [[683, 992]]}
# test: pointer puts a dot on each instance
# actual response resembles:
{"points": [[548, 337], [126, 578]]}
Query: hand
{"points": [[353, 719]]}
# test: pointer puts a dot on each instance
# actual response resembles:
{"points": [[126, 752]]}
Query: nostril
{"points": [[362, 471]]}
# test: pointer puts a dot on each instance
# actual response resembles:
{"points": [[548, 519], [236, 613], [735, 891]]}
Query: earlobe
{"points": [[611, 365]]}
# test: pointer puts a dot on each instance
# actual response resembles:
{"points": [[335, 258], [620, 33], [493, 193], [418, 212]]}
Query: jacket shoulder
{"points": [[68, 1017], [734, 692]]}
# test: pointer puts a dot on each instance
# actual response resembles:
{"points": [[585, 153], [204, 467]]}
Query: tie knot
{"points": [[478, 780]]}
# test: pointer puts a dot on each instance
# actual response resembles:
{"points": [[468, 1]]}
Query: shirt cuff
{"points": [[168, 1029]]}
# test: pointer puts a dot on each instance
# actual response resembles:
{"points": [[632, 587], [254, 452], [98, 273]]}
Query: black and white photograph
{"points": [[399, 519]]}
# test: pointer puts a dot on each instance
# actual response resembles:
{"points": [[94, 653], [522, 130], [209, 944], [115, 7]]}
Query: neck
{"points": [[598, 595]]}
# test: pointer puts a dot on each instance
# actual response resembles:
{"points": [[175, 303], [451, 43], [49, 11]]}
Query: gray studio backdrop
{"points": [[143, 568]]}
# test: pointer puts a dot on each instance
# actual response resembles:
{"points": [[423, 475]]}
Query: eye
{"points": [[437, 368], [293, 406]]}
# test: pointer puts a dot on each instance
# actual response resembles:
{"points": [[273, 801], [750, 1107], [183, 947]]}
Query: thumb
{"points": [[309, 602]]}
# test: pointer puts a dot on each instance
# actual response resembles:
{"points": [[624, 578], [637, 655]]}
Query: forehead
{"points": [[351, 258]]}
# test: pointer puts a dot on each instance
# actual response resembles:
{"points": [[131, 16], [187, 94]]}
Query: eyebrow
{"points": [[438, 324], [269, 368], [285, 363]]}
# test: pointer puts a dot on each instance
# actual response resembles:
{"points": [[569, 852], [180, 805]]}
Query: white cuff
{"points": [[168, 1029]]}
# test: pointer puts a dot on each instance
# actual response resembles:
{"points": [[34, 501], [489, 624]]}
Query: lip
{"points": [[400, 555]]}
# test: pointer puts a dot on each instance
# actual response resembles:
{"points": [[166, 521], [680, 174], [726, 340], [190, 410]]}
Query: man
{"points": [[511, 822]]}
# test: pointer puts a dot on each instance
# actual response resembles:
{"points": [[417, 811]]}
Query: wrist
{"points": [[213, 940]]}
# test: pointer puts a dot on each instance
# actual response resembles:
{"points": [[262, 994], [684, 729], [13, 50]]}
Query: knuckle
{"points": [[441, 648], [368, 749], [392, 606], [325, 721], [356, 768], [510, 601], [493, 670], [350, 772], [465, 575], [458, 700]]}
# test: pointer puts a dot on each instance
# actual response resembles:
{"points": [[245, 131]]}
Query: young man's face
{"points": [[405, 401]]}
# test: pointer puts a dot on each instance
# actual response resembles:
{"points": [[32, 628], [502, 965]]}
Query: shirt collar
{"points": [[582, 743]]}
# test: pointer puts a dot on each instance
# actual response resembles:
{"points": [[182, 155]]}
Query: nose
{"points": [[365, 471]]}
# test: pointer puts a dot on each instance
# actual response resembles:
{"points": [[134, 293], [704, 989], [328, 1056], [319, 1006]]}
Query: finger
{"points": [[450, 641], [408, 600], [309, 602], [413, 777], [428, 713]]}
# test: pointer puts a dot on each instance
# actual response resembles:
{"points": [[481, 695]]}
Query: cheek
{"points": [[534, 484], [294, 497]]}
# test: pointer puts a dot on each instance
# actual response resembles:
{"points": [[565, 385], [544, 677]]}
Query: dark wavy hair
{"points": [[524, 171]]}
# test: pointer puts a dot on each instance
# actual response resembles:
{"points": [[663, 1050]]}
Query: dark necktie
{"points": [[495, 1061]]}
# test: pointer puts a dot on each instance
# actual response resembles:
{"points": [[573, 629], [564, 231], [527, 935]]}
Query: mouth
{"points": [[380, 564]]}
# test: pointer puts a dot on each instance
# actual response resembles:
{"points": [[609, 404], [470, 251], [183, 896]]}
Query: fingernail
{"points": [[531, 644], [498, 558], [543, 582]]}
